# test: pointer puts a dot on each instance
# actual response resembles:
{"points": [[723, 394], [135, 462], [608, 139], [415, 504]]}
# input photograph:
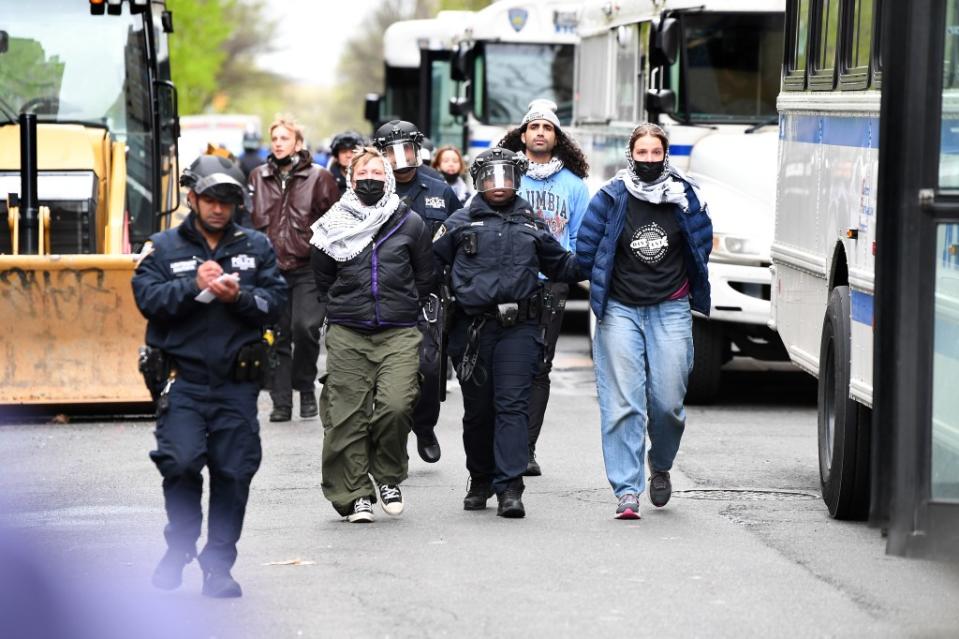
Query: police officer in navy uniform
{"points": [[207, 413], [495, 250], [341, 154], [433, 200]]}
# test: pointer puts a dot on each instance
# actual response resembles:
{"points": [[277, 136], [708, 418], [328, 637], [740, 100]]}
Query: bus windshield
{"points": [[66, 65], [732, 63], [518, 73]]}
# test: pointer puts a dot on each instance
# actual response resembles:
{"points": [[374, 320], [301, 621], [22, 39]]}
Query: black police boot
{"points": [[428, 447], [281, 414], [511, 500], [479, 492], [220, 584], [169, 572], [308, 406], [532, 467]]}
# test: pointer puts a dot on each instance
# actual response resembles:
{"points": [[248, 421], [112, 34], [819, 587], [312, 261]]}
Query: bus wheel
{"points": [[709, 346], [843, 423]]}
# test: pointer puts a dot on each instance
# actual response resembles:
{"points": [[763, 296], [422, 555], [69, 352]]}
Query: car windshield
{"points": [[518, 73], [61, 63], [733, 64]]}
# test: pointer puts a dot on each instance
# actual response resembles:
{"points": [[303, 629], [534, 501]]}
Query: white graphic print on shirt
{"points": [[650, 243]]}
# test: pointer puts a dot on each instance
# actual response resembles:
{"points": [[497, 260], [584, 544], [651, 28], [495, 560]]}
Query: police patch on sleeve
{"points": [[440, 232]]}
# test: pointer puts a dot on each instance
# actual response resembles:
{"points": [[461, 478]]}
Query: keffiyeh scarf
{"points": [[668, 188], [349, 226], [539, 171]]}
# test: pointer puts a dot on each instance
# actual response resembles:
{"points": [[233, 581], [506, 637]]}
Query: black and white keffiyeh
{"points": [[668, 188], [539, 171], [349, 226]]}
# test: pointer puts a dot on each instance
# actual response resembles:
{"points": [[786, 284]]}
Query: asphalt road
{"points": [[745, 547]]}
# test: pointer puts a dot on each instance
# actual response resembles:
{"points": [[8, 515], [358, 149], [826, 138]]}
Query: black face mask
{"points": [[451, 177], [370, 192], [283, 161], [649, 171]]}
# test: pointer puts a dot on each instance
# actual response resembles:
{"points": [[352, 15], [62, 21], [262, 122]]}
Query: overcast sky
{"points": [[312, 35]]}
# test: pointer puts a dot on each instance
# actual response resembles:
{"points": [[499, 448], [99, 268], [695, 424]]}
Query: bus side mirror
{"points": [[462, 61], [169, 112], [661, 102], [371, 107], [459, 106], [665, 47]]}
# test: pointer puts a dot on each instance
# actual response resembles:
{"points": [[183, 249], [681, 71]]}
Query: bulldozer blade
{"points": [[69, 330]]}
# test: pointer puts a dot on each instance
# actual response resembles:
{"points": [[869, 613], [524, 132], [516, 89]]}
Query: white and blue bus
{"points": [[709, 73]]}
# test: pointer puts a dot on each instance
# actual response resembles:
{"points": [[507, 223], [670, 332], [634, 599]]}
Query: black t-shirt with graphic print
{"points": [[650, 263]]}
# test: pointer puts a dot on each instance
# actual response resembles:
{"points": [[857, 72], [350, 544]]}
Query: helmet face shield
{"points": [[402, 155], [502, 175]]}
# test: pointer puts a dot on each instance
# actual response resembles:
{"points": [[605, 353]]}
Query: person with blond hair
{"points": [[289, 194], [373, 267]]}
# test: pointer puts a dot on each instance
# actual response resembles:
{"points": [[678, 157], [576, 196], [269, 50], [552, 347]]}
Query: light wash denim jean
{"points": [[643, 356]]}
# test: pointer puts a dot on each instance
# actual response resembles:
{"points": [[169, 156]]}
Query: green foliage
{"points": [[463, 5], [196, 49]]}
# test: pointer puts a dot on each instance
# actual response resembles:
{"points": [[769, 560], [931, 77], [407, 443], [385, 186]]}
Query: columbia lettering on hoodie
{"points": [[560, 201]]}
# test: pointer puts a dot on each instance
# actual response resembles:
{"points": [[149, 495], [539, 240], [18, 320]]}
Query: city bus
{"points": [[866, 255], [708, 72], [508, 55], [417, 83]]}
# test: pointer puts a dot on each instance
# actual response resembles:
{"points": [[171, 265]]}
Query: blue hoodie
{"points": [[560, 201]]}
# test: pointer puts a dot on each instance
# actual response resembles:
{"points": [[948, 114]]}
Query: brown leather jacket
{"points": [[286, 214]]}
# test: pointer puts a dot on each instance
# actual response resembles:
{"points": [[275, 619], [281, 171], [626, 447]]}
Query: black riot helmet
{"points": [[346, 140], [251, 141], [215, 177], [400, 142], [498, 168]]}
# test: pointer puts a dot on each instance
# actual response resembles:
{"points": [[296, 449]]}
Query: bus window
{"points": [[732, 67], [859, 32], [797, 29], [827, 40], [627, 55], [591, 93]]}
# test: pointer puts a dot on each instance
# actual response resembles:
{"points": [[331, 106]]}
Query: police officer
{"points": [[251, 156], [433, 200], [207, 407], [496, 249], [341, 154]]}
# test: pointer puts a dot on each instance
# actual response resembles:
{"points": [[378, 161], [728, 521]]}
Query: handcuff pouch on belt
{"points": [[256, 362]]}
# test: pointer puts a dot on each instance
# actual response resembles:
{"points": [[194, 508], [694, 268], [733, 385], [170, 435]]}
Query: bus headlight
{"points": [[732, 248]]}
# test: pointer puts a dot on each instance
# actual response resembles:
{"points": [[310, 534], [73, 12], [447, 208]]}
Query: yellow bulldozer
{"points": [[88, 133]]}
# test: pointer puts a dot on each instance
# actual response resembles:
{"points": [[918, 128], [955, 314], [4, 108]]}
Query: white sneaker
{"points": [[362, 511], [391, 499]]}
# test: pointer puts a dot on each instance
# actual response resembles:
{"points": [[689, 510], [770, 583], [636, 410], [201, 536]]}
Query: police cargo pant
{"points": [[366, 407], [214, 427], [496, 397], [297, 338], [427, 410]]}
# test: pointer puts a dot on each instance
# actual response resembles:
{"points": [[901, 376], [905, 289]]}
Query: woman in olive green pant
{"points": [[373, 266]]}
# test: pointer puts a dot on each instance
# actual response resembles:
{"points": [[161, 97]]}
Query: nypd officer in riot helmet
{"points": [[207, 289], [496, 249], [433, 200]]}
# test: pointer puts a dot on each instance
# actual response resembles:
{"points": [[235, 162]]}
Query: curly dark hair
{"points": [[566, 150]]}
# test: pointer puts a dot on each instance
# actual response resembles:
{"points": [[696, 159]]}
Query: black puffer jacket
{"points": [[496, 255], [385, 285]]}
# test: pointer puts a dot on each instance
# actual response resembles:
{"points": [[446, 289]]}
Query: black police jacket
{"points": [[496, 256], [203, 339], [431, 198], [386, 284]]}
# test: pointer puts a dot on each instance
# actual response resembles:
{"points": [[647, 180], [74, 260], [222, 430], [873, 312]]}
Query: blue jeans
{"points": [[643, 356]]}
